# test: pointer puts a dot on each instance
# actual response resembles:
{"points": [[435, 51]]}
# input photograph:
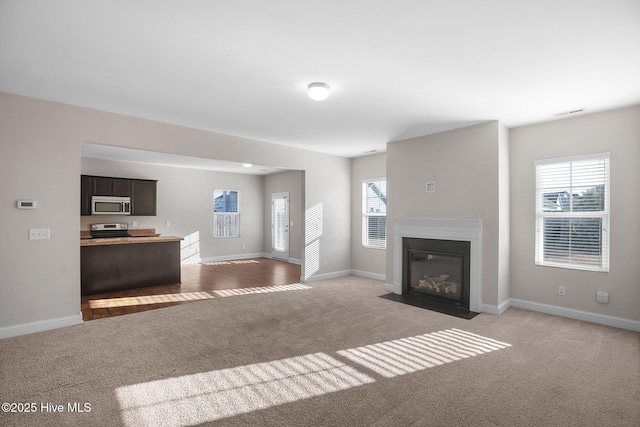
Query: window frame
{"points": [[604, 215], [234, 216], [366, 243]]}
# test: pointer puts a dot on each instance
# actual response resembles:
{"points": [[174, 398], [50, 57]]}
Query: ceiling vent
{"points": [[568, 113]]}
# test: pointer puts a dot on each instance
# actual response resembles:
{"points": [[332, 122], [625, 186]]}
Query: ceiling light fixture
{"points": [[247, 165], [318, 91]]}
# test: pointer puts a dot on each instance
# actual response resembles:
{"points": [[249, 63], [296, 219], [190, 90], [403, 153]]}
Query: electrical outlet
{"points": [[602, 297], [562, 290], [326, 263], [39, 234]]}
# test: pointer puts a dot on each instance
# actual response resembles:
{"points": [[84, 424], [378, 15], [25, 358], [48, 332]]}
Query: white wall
{"points": [[40, 159], [365, 261], [185, 199], [617, 132], [465, 165]]}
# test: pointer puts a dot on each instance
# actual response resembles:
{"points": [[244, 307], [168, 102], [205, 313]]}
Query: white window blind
{"points": [[374, 213], [226, 213], [572, 212]]}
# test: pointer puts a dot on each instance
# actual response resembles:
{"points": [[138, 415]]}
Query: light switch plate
{"points": [[39, 234]]}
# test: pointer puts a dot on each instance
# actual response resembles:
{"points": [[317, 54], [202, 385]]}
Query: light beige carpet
{"points": [[332, 355]]}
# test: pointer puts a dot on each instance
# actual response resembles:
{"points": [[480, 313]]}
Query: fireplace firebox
{"points": [[437, 273]]}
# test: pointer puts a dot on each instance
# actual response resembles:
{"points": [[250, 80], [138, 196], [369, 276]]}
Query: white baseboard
{"points": [[326, 276], [496, 310], [602, 319], [234, 257], [40, 326], [490, 309], [289, 260], [368, 275], [616, 322], [389, 287], [225, 258]]}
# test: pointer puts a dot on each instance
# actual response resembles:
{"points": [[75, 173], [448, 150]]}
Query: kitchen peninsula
{"points": [[117, 263]]}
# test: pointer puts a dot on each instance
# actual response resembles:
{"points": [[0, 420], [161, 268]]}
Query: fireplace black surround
{"points": [[436, 275]]}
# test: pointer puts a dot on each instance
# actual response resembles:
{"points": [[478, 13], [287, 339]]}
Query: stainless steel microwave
{"points": [[110, 205]]}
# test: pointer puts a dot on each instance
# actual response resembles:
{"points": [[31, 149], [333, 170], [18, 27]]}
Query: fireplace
{"points": [[468, 232], [437, 271]]}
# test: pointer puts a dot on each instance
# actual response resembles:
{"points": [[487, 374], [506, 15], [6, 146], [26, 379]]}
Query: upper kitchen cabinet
{"points": [[143, 197], [141, 191], [105, 186]]}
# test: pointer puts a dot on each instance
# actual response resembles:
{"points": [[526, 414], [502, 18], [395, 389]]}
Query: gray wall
{"points": [[40, 159], [504, 215], [617, 132], [291, 182], [483, 171], [465, 164], [365, 261]]}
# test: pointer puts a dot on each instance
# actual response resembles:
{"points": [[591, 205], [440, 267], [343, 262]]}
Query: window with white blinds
{"points": [[572, 212], [226, 213], [374, 213]]}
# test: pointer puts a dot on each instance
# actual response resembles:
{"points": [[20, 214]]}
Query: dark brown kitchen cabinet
{"points": [[141, 191], [122, 187], [143, 197], [105, 186], [86, 191], [116, 267]]}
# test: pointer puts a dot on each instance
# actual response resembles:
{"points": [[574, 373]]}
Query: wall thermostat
{"points": [[26, 204]]}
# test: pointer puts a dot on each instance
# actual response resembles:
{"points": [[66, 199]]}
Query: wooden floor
{"points": [[199, 281]]}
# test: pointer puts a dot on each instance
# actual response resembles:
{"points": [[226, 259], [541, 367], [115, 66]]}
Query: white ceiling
{"points": [[397, 69]]}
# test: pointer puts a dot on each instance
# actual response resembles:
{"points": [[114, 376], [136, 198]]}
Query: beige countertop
{"points": [[128, 240]]}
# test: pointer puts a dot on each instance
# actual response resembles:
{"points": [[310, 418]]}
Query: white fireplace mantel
{"points": [[469, 230]]}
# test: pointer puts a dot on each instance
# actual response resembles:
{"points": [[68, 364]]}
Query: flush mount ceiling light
{"points": [[247, 165], [318, 91]]}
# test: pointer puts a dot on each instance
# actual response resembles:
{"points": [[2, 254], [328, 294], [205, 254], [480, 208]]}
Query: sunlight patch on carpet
{"points": [[209, 396], [407, 355], [259, 290], [190, 296]]}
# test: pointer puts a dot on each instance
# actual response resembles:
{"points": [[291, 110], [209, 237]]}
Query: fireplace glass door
{"points": [[436, 274], [437, 270]]}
